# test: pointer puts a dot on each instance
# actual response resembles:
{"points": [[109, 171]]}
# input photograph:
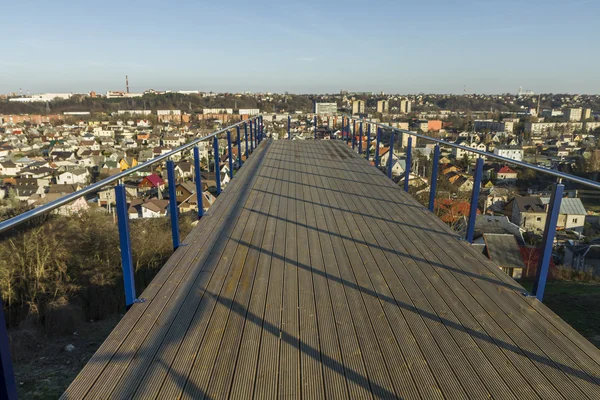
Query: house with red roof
{"points": [[506, 174], [152, 181]]}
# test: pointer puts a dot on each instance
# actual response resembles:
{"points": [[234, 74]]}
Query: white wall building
{"points": [[512, 152]]}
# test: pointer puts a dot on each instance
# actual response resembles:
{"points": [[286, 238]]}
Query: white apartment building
{"points": [[573, 114], [249, 111], [358, 107], [325, 108], [405, 106], [217, 111], [512, 152], [542, 127], [383, 106], [494, 126]]}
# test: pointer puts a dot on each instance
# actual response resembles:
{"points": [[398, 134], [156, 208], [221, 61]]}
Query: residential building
{"points": [[506, 174], [537, 128], [583, 257], [573, 114], [325, 108], [420, 125], [512, 152], [173, 116], [248, 111], [79, 175], [154, 208], [503, 250], [494, 126], [358, 107], [383, 106], [529, 212], [217, 111], [405, 106], [586, 114]]}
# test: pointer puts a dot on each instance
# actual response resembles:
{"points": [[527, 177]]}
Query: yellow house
{"points": [[127, 162]]}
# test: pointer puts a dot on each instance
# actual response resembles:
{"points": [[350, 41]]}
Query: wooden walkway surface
{"points": [[314, 276]]}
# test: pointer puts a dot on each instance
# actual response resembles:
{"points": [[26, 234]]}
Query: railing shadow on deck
{"points": [[426, 314]]}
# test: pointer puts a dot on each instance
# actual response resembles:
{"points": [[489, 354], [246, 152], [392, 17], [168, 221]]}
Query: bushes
{"points": [[68, 268], [570, 274]]}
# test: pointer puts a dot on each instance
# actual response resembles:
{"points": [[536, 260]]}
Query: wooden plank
{"points": [[246, 365], [224, 364], [351, 360], [311, 364], [381, 383], [289, 357], [267, 377]]}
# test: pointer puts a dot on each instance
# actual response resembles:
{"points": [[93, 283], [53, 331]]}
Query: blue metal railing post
{"points": [[342, 130], [262, 127], [360, 137], [217, 170], [408, 164], [368, 141], [289, 127], [434, 174], [8, 386], [125, 244], [239, 146], [390, 156], [353, 135], [198, 176], [377, 147], [257, 132], [548, 241], [230, 153], [315, 127], [251, 138], [246, 137], [173, 203], [474, 199]]}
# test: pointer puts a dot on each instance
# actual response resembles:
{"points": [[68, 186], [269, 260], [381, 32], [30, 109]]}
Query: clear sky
{"points": [[305, 46]]}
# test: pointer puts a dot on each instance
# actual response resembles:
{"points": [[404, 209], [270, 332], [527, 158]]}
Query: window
{"points": [[179, 193], [574, 220], [538, 219]]}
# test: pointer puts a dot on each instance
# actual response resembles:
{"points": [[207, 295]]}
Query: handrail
{"points": [[548, 171], [26, 216]]}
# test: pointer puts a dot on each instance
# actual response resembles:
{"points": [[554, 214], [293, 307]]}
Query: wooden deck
{"points": [[314, 276]]}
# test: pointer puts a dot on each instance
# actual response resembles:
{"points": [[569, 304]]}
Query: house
{"points": [[80, 175], [63, 189], [184, 170], [504, 251], [154, 208], [583, 257], [127, 162], [74, 207], [506, 174], [496, 199], [9, 168], [529, 212], [184, 190], [152, 181], [571, 215], [191, 203], [512, 152]]}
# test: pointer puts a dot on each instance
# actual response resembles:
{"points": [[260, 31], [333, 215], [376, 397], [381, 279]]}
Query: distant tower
{"points": [[127, 83]]}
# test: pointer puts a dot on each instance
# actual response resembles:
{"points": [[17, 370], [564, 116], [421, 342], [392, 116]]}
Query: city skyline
{"points": [[267, 47]]}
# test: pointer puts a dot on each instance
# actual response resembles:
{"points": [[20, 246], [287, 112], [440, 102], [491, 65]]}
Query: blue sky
{"points": [[307, 46]]}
